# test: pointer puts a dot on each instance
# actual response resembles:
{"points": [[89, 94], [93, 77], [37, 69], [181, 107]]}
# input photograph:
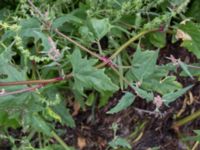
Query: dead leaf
{"points": [[182, 35], [81, 142], [76, 107]]}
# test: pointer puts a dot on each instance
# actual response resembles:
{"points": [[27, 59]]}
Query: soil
{"points": [[157, 130], [143, 128]]}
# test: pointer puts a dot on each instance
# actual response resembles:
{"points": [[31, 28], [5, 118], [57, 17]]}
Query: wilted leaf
{"points": [[182, 35], [81, 142]]}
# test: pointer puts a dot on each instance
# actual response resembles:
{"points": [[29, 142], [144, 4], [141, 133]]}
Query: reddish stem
{"points": [[35, 81], [29, 89]]}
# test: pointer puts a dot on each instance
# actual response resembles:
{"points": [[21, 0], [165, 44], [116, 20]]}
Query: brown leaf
{"points": [[182, 35], [76, 107], [81, 142]]}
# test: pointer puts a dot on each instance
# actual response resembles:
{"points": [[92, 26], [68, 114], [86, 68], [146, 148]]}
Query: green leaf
{"points": [[95, 29], [32, 28], [119, 142], [194, 71], [144, 94], [158, 39], [193, 10], [10, 71], [87, 76], [193, 138], [58, 22], [37, 122], [170, 97], [185, 69], [144, 64], [127, 99], [104, 97], [100, 27], [90, 99], [63, 112], [193, 30], [166, 85], [7, 121]]}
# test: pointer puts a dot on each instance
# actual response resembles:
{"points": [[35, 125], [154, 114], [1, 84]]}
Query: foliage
{"points": [[53, 53]]}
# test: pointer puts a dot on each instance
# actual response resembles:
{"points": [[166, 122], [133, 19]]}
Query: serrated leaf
{"points": [[127, 99], [185, 69], [100, 27], [193, 31], [162, 86], [63, 112], [58, 22], [194, 71], [119, 142], [170, 97], [31, 28], [95, 29], [36, 122], [9, 70], [6, 121], [144, 64], [158, 39], [144, 94], [87, 76]]}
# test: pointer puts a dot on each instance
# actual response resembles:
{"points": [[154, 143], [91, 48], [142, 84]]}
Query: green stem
{"points": [[187, 119], [77, 44], [125, 45], [59, 140]]}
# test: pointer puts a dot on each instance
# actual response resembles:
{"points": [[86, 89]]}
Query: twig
{"points": [[77, 44], [23, 90], [35, 81], [35, 8]]}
